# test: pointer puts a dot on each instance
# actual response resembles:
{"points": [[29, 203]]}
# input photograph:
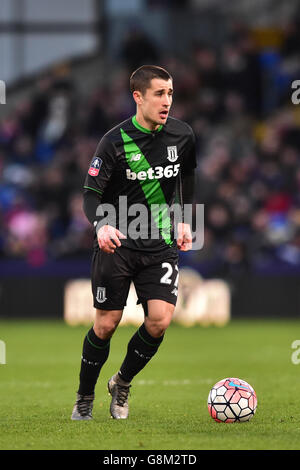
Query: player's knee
{"points": [[157, 328], [105, 325], [105, 331], [159, 318]]}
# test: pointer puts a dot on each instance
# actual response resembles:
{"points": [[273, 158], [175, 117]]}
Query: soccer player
{"points": [[143, 158]]}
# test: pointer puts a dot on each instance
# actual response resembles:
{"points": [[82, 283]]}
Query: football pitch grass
{"points": [[168, 409]]}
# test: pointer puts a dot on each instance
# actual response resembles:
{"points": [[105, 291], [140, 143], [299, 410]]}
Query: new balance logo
{"points": [[90, 363], [135, 157], [142, 355]]}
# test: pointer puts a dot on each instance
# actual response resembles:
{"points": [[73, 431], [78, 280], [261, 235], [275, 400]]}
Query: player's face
{"points": [[154, 105]]}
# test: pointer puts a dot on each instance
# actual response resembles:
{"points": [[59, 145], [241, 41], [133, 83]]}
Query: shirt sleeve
{"points": [[188, 188], [101, 167], [99, 173], [188, 170], [91, 201], [189, 160]]}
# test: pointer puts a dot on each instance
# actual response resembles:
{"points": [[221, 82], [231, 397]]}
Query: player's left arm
{"points": [[184, 231]]}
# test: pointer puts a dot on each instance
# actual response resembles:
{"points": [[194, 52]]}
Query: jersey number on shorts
{"points": [[166, 278]]}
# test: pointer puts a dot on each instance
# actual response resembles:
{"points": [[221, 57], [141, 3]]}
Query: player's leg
{"points": [[96, 347], [110, 286], [158, 278], [141, 348], [145, 342], [159, 317], [95, 353]]}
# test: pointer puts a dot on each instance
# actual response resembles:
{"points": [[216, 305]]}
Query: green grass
{"points": [[168, 402]]}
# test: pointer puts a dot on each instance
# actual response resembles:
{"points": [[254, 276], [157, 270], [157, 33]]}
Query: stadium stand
{"points": [[248, 151], [237, 98]]}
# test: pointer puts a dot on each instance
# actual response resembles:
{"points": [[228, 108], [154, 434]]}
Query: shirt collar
{"points": [[143, 129]]}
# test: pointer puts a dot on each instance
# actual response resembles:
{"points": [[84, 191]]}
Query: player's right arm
{"points": [[107, 235], [99, 174]]}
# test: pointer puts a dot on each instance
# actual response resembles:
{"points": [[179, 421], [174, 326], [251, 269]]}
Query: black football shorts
{"points": [[155, 276]]}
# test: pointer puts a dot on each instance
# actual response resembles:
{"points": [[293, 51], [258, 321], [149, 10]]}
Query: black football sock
{"points": [[94, 354], [141, 348]]}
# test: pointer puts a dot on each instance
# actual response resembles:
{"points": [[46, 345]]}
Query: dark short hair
{"points": [[141, 78]]}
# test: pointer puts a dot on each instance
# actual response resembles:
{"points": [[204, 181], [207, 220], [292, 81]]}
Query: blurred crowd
{"points": [[237, 98]]}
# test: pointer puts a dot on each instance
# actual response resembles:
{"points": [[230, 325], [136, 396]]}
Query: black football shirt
{"points": [[136, 166]]}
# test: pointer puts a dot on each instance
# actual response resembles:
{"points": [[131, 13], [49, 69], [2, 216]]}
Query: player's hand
{"points": [[184, 237], [109, 238]]}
